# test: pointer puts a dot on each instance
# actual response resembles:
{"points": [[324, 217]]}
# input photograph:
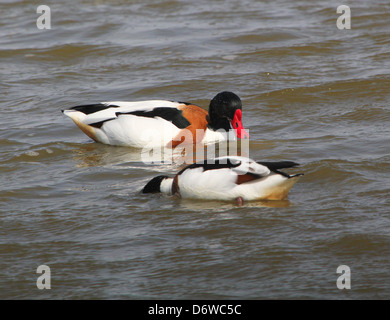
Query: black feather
{"points": [[170, 114], [275, 166], [91, 108], [278, 164], [153, 186], [222, 109], [210, 164]]}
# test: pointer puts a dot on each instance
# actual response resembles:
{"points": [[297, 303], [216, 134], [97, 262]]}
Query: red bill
{"points": [[237, 125]]}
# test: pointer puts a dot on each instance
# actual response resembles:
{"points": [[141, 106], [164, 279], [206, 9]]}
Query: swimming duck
{"points": [[228, 178], [160, 122]]}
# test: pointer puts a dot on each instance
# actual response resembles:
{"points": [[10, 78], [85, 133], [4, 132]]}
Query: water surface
{"points": [[312, 93]]}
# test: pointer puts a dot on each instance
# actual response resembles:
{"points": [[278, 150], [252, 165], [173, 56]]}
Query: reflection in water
{"points": [[97, 154], [169, 160], [214, 206], [311, 93]]}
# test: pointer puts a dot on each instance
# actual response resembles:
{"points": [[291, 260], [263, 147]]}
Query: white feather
{"points": [[130, 130], [119, 107], [247, 165], [212, 136], [210, 184], [141, 132], [147, 105], [220, 184], [127, 129]]}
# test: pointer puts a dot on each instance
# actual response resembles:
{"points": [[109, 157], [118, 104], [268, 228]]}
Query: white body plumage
{"points": [[231, 178]]}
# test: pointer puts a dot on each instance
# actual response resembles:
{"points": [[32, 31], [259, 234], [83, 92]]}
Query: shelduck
{"points": [[160, 122], [228, 178]]}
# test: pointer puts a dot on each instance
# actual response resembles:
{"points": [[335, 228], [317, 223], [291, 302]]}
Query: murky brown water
{"points": [[312, 93]]}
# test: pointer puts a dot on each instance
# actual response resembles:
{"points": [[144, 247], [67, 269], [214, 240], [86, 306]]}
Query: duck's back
{"points": [[138, 124]]}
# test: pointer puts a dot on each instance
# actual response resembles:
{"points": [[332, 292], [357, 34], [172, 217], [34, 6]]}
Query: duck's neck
{"points": [[218, 124], [213, 136], [219, 130], [166, 186]]}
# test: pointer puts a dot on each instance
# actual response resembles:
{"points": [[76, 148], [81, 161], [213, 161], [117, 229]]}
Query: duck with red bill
{"points": [[159, 122]]}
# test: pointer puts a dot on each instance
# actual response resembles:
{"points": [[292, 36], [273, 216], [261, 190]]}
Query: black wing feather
{"points": [[275, 166], [210, 164], [170, 114], [278, 164], [91, 108]]}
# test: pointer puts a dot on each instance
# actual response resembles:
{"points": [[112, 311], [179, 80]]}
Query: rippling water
{"points": [[312, 93]]}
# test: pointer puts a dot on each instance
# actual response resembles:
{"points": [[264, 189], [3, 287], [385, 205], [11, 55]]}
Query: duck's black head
{"points": [[225, 112]]}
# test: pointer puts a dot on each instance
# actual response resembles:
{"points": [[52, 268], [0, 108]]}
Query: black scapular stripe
{"points": [[91, 108], [212, 165], [275, 166], [170, 114], [278, 164]]}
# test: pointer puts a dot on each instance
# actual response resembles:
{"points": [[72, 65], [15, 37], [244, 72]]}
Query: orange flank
{"points": [[87, 129], [242, 178], [194, 133]]}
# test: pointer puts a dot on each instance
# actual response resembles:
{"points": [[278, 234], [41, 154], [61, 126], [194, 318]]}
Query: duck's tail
{"points": [[78, 117]]}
